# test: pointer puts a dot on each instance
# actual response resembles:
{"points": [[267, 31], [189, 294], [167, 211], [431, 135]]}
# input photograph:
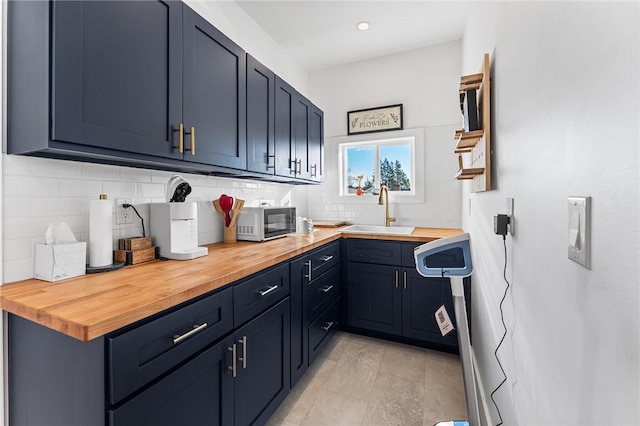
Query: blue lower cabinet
{"points": [[387, 297], [421, 298], [299, 320], [315, 285], [199, 393], [262, 367], [374, 298]]}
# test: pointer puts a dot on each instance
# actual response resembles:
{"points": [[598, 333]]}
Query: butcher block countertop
{"points": [[91, 306]]}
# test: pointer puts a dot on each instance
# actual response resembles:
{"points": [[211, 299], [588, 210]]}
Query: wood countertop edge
{"points": [[18, 297]]}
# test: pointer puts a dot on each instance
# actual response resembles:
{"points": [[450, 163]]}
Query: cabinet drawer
{"points": [[452, 258], [198, 393], [141, 355], [260, 292], [370, 251], [322, 292], [321, 330], [324, 259]]}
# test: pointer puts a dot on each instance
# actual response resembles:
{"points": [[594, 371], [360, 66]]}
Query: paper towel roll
{"points": [[100, 232]]}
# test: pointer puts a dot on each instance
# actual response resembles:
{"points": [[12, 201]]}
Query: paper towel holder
{"points": [[104, 268]]}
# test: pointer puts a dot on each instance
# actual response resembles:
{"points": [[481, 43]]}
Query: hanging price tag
{"points": [[444, 322]]}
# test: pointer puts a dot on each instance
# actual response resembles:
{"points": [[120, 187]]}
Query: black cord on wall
{"points": [[135, 210], [504, 380]]}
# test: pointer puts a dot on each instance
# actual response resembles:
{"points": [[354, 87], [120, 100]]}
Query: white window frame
{"points": [[414, 136]]}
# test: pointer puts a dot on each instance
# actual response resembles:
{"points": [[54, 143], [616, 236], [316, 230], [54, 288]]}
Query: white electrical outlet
{"points": [[124, 215]]}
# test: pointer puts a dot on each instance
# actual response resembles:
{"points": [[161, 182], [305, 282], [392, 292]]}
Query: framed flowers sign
{"points": [[371, 120]]}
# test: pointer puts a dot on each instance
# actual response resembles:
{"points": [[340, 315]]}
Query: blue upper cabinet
{"points": [[299, 133], [260, 117], [214, 102], [117, 75], [316, 144], [149, 84]]}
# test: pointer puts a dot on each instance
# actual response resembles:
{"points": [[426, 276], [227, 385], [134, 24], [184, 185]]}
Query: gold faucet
{"points": [[384, 190]]}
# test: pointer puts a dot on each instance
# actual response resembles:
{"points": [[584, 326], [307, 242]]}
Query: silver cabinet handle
{"points": [[396, 279], [232, 367], [293, 169], [268, 162], [404, 274], [328, 326], [326, 258], [177, 338], [326, 289], [269, 290], [299, 166], [308, 270], [244, 351]]}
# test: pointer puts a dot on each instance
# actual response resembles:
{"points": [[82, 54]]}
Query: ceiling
{"points": [[323, 34]]}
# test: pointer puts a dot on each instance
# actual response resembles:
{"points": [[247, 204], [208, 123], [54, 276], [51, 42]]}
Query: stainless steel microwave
{"points": [[265, 223]]}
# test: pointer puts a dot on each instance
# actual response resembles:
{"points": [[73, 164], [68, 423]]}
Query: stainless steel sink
{"points": [[378, 229]]}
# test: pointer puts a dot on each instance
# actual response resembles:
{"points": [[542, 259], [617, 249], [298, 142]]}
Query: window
{"points": [[365, 163]]}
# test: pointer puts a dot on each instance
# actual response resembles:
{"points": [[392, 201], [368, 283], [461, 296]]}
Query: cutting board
{"points": [[329, 223]]}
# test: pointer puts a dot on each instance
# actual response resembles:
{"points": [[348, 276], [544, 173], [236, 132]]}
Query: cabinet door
{"points": [[421, 298], [285, 142], [117, 75], [300, 114], [316, 144], [374, 297], [263, 362], [198, 393], [214, 103], [299, 320], [260, 117]]}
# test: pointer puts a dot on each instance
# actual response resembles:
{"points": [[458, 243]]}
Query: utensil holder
{"points": [[230, 234]]}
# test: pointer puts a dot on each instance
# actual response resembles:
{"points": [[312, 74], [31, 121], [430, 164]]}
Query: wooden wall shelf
{"points": [[465, 141], [474, 147], [469, 173]]}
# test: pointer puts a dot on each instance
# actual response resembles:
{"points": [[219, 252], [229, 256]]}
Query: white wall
{"points": [[423, 81], [565, 109]]}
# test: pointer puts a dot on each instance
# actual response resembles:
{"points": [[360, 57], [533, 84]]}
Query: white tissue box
{"points": [[55, 262]]}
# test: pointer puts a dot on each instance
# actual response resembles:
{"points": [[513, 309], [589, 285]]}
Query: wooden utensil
{"points": [[216, 205], [226, 203], [237, 206]]}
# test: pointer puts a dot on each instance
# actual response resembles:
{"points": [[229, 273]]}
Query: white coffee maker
{"points": [[174, 224]]}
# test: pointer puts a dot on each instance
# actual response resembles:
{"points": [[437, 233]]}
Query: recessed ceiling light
{"points": [[363, 26]]}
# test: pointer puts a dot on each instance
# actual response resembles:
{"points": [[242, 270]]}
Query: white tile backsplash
{"points": [[38, 192], [29, 186]]}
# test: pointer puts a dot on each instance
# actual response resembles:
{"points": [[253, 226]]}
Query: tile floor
{"points": [[360, 380]]}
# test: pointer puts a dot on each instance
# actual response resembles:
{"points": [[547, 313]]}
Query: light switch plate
{"points": [[579, 232]]}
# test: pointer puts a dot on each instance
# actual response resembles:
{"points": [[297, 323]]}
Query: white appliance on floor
{"points": [[456, 274]]}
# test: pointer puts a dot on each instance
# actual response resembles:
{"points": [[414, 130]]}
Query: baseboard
{"points": [[485, 416]]}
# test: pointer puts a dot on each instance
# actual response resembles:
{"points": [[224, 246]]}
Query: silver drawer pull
{"points": [[309, 269], [232, 367], [269, 290], [177, 338], [326, 289], [326, 258], [244, 351], [328, 326]]}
